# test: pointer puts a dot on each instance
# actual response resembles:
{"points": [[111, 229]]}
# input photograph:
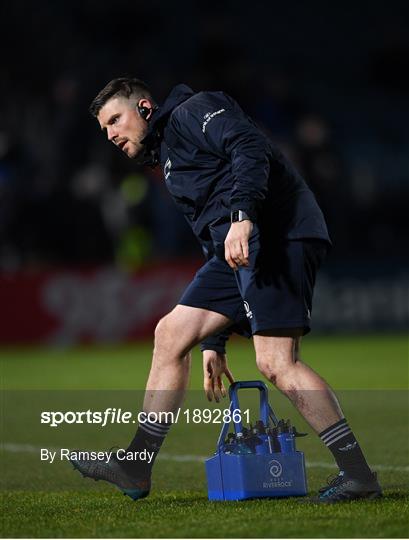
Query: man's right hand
{"points": [[214, 366], [236, 244]]}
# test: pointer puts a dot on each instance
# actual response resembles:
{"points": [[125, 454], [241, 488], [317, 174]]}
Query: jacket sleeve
{"points": [[231, 135], [217, 342]]}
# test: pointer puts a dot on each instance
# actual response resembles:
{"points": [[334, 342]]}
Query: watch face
{"points": [[238, 215]]}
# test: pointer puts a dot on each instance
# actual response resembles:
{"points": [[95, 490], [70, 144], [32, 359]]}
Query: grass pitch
{"points": [[39, 499]]}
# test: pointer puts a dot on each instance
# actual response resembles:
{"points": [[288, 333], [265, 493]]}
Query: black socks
{"points": [[149, 437], [346, 450]]}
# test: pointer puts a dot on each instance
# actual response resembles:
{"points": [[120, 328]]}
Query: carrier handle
{"points": [[264, 406], [266, 412]]}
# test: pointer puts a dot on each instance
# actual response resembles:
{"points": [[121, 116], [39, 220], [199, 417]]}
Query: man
{"points": [[265, 238]]}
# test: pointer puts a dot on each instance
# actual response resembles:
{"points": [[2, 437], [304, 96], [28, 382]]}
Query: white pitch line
{"points": [[310, 464], [30, 449], [379, 467], [17, 448]]}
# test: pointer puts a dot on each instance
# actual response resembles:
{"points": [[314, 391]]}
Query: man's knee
{"points": [[273, 367], [162, 330], [276, 357], [165, 333], [276, 365], [171, 339]]}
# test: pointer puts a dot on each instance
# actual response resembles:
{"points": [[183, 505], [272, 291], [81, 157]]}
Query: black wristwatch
{"points": [[238, 215]]}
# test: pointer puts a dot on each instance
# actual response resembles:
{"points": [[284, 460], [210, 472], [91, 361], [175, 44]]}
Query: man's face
{"points": [[123, 125]]}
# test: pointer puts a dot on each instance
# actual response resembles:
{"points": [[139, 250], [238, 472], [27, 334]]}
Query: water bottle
{"points": [[229, 444], [241, 447], [263, 445], [275, 443], [285, 437]]}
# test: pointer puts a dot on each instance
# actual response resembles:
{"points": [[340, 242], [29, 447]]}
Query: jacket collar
{"points": [[178, 95]]}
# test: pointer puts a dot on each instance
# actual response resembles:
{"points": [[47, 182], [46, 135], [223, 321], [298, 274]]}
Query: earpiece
{"points": [[144, 111]]}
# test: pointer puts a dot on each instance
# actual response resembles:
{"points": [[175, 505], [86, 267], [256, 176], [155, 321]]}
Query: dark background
{"points": [[328, 81]]}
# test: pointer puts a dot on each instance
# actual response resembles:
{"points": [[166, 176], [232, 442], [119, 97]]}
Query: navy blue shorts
{"points": [[274, 292]]}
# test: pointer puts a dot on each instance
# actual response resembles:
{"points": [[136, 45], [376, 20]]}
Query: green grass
{"points": [[189, 514], [50, 500], [346, 362]]}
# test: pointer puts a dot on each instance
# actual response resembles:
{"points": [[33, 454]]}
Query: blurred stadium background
{"points": [[92, 249]]}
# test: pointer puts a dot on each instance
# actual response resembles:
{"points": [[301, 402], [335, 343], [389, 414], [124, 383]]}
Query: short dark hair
{"points": [[120, 87]]}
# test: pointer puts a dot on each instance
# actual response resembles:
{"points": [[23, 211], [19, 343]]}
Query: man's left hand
{"points": [[236, 245], [214, 366]]}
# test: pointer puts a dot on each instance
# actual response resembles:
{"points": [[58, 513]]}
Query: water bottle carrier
{"points": [[265, 472]]}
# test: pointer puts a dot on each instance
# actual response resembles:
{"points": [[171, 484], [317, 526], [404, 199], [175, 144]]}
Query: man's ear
{"points": [[145, 108]]}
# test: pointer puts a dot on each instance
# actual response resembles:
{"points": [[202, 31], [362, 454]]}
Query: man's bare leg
{"points": [[278, 359], [175, 335]]}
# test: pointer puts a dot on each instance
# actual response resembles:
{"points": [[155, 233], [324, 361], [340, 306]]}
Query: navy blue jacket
{"points": [[216, 160]]}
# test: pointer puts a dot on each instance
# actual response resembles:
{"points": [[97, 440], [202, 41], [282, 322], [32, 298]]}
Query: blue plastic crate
{"points": [[234, 477]]}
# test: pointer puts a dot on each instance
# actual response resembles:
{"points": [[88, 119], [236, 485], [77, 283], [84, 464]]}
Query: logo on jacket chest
{"points": [[166, 168], [208, 116]]}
